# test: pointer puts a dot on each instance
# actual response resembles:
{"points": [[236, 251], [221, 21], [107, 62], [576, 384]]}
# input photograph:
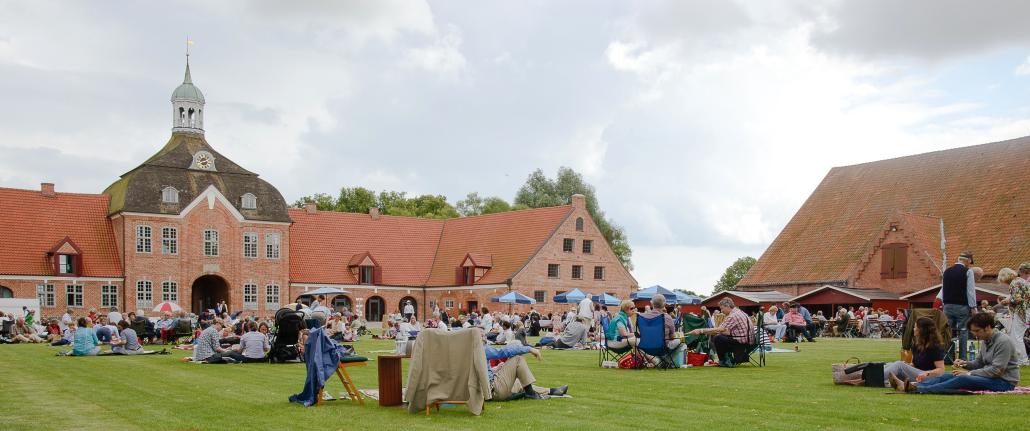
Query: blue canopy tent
{"points": [[513, 298], [605, 299], [650, 292], [574, 295]]}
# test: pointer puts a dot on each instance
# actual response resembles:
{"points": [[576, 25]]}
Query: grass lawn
{"points": [[794, 391]]}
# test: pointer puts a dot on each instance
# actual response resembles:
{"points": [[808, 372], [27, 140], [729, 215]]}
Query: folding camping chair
{"points": [[697, 343], [348, 382], [183, 329], [652, 343], [757, 344], [606, 353]]}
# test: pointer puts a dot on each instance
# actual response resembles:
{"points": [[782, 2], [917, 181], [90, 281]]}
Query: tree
{"points": [[474, 205], [496, 205], [734, 273], [360, 199], [540, 191]]}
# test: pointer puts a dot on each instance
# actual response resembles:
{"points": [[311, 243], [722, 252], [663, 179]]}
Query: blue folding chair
{"points": [[652, 343]]}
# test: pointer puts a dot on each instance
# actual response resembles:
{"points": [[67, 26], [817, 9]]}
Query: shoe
{"points": [[533, 395], [896, 383], [228, 360], [559, 391]]}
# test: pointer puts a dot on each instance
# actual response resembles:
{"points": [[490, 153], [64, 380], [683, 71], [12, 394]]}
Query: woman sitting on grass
{"points": [[85, 342], [996, 369], [127, 342], [927, 355], [67, 338]]}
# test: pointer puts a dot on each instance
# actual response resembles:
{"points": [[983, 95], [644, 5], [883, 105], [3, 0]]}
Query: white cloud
{"points": [[1024, 67], [442, 56]]}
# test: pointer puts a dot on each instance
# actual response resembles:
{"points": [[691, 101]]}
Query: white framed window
{"points": [[250, 244], [448, 303], [144, 294], [210, 242], [169, 291], [272, 245], [272, 297], [169, 240], [108, 296], [74, 292], [65, 264], [45, 293], [250, 294], [169, 195], [249, 201], [143, 233]]}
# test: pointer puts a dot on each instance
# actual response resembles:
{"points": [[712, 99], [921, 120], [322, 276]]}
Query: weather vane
{"points": [[188, 43]]}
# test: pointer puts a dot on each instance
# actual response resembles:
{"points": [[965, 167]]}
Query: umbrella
{"points": [[683, 299], [606, 299], [574, 295], [170, 307], [324, 291], [513, 298], [650, 292], [293, 306]]}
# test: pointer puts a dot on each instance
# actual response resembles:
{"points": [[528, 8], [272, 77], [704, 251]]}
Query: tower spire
{"points": [[188, 79]]}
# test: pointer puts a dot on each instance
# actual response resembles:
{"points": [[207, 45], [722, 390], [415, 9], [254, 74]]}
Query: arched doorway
{"points": [[375, 307], [341, 302], [207, 291], [6, 293], [404, 301]]}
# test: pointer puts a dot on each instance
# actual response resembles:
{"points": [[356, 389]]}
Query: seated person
{"points": [[927, 355], [795, 323], [207, 348], [53, 330], [514, 369], [732, 337], [505, 335], [573, 334], [254, 345], [619, 333], [519, 334], [995, 369], [22, 332], [85, 339], [773, 325], [127, 342], [67, 338], [101, 330], [165, 327], [819, 322], [658, 309]]}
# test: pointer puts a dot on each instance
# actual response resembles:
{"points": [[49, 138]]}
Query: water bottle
{"points": [[797, 347]]}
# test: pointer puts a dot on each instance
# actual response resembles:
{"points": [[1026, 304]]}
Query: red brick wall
{"points": [[921, 271], [617, 280], [90, 294]]}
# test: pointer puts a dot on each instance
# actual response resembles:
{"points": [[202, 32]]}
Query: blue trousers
{"points": [[950, 384], [958, 315]]}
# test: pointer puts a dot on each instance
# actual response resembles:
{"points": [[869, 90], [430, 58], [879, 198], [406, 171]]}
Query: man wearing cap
{"points": [[959, 296]]}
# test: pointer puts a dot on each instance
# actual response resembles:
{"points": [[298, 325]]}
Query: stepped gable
{"points": [[981, 192], [34, 224], [139, 190]]}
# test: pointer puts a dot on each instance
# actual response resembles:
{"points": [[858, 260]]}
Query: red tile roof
{"points": [[31, 225], [982, 192], [414, 251]]}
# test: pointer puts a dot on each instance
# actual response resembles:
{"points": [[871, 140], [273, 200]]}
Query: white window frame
{"points": [[109, 296], [248, 201], [66, 264], [169, 291], [250, 248], [73, 295], [144, 294], [211, 242], [272, 248], [169, 195], [250, 296], [169, 240], [46, 295], [144, 235], [272, 292]]}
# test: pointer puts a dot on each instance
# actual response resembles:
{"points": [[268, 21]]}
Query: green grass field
{"points": [[794, 391]]}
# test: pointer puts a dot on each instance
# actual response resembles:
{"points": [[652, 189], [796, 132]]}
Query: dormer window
{"points": [[249, 201], [65, 264], [367, 274], [365, 269], [65, 258], [169, 195], [473, 267]]}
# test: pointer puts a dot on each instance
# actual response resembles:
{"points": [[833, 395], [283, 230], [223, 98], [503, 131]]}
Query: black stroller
{"points": [[286, 337]]}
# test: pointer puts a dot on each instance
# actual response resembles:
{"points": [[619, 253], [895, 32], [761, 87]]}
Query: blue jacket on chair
{"points": [[322, 358]]}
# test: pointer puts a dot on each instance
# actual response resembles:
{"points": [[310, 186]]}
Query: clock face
{"points": [[204, 162]]}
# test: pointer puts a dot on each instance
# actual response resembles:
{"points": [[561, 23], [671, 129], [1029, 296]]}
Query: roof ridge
{"points": [[928, 153], [56, 192]]}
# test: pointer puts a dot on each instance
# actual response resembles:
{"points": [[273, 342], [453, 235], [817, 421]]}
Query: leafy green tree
{"points": [[360, 199], [425, 206], [474, 205], [356, 200], [540, 191], [495, 205], [734, 273]]}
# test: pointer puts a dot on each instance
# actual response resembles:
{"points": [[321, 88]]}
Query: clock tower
{"points": [[188, 106]]}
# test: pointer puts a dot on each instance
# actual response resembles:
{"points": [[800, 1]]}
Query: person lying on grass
{"points": [[512, 378], [996, 369], [927, 355]]}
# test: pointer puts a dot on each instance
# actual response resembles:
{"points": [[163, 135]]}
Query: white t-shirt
{"points": [[114, 317], [409, 309], [586, 309], [486, 322], [769, 319]]}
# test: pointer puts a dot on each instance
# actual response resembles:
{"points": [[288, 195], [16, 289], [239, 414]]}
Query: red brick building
{"points": [[873, 231], [190, 226]]}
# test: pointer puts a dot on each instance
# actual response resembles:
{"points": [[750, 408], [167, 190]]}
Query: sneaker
{"points": [[229, 360]]}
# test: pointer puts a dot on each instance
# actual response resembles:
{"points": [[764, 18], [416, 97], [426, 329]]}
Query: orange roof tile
{"points": [[414, 251], [982, 192], [31, 225]]}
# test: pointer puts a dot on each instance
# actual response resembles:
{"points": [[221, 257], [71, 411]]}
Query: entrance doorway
{"points": [[375, 307], [340, 302], [404, 302], [473, 306], [207, 291]]}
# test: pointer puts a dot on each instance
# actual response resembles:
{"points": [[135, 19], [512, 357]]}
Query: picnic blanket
{"points": [[1019, 390]]}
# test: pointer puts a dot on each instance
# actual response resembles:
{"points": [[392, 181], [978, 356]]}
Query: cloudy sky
{"points": [[703, 124]]}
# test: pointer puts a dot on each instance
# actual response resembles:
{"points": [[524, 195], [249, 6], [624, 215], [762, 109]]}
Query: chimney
{"points": [[311, 208], [374, 213], [47, 190], [578, 201]]}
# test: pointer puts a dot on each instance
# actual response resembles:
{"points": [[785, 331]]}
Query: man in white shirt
{"points": [[586, 311], [114, 317], [487, 321], [409, 310]]}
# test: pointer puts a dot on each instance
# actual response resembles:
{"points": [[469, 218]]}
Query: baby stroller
{"points": [[286, 338]]}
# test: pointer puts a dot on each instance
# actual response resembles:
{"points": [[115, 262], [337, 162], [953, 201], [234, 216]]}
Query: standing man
{"points": [[409, 310], [222, 308], [586, 311], [959, 296]]}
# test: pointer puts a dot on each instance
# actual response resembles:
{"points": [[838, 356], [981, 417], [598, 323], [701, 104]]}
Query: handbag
{"points": [[841, 377], [872, 373], [631, 361]]}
